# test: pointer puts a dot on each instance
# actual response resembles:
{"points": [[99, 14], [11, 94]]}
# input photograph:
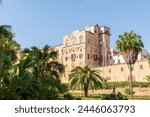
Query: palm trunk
{"points": [[85, 91], [131, 88]]}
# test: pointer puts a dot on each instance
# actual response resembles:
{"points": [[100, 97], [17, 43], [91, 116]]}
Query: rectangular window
{"points": [[73, 57], [141, 66], [122, 69], [95, 57], [88, 56]]}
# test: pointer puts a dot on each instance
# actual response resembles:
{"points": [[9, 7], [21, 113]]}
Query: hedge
{"points": [[118, 84]]}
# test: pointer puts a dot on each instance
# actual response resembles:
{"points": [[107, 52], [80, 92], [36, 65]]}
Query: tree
{"points": [[46, 71], [85, 78], [129, 45], [35, 76], [8, 52], [45, 64]]}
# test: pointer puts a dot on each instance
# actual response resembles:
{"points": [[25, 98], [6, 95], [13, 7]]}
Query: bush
{"points": [[122, 84], [114, 96], [68, 96], [127, 90]]}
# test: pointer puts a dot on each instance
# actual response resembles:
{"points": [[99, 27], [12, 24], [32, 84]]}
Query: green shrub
{"points": [[127, 90], [114, 96], [68, 96], [122, 84], [118, 84]]}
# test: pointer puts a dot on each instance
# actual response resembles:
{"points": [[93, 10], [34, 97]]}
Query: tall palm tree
{"points": [[85, 78], [129, 45]]}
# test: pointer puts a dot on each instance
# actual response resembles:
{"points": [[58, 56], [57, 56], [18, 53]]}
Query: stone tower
{"points": [[89, 46], [104, 42]]}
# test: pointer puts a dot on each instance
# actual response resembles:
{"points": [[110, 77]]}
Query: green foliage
{"points": [[147, 78], [127, 90], [129, 44], [122, 84], [85, 78], [114, 96], [36, 76]]}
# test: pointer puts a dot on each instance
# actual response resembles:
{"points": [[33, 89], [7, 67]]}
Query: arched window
{"points": [[66, 43], [80, 56], [141, 66], [80, 39], [73, 41], [66, 58]]}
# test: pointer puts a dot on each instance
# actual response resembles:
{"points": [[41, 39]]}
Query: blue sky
{"points": [[40, 22]]}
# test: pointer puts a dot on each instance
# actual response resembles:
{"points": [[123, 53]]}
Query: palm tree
{"points": [[45, 64], [147, 78], [8, 51], [46, 71], [129, 45], [85, 78]]}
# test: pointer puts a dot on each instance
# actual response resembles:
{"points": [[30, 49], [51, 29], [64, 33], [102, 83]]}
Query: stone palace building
{"points": [[91, 46]]}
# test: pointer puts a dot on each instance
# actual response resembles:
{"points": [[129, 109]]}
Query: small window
{"points": [[66, 52], [73, 50], [88, 56], [80, 50], [141, 66], [73, 57], [122, 69], [66, 58], [80, 39], [118, 61], [80, 56], [66, 42], [95, 57]]}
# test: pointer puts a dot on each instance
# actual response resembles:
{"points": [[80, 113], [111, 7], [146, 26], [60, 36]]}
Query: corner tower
{"points": [[104, 41]]}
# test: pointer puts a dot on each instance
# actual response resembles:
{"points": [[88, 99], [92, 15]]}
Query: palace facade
{"points": [[91, 46]]}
